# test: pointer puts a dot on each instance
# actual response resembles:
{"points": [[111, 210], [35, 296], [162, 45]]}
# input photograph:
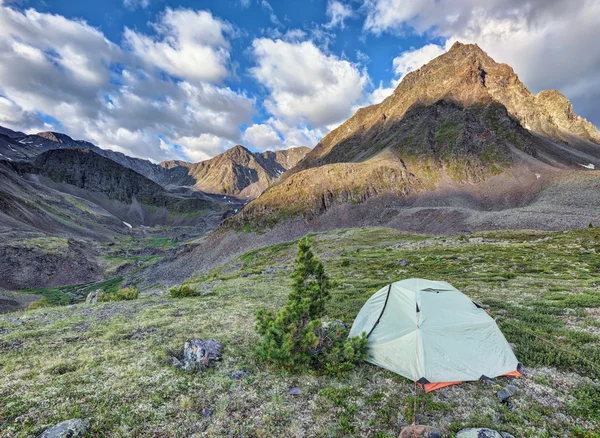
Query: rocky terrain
{"points": [[457, 122], [62, 199], [236, 172], [110, 364]]}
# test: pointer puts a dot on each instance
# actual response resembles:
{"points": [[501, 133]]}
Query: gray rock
{"points": [[506, 435], [207, 412], [478, 433], [67, 429], [238, 375], [294, 391], [198, 354], [507, 392], [92, 297], [402, 262]]}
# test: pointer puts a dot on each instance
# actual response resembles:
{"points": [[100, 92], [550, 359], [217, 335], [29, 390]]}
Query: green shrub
{"points": [[125, 294], [345, 263], [294, 338], [103, 297], [183, 291], [39, 304]]}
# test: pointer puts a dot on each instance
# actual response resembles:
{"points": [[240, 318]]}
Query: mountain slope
{"points": [[236, 172], [458, 120]]}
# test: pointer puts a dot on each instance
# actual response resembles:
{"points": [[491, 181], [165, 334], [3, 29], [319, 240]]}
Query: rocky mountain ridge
{"points": [[460, 119], [264, 168], [237, 171]]}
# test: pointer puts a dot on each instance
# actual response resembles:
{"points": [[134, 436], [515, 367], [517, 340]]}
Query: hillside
{"points": [[110, 362], [59, 210], [460, 120], [236, 172]]}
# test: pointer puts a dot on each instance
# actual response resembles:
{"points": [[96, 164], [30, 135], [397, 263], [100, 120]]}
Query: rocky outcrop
{"points": [[68, 429], [198, 354]]}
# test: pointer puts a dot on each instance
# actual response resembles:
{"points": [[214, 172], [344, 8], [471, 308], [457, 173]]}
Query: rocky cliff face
{"points": [[87, 170], [460, 119]]}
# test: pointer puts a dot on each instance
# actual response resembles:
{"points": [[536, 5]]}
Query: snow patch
{"points": [[588, 166], [8, 158], [127, 224]]}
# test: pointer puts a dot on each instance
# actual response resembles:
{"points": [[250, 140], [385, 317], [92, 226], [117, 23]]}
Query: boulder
{"points": [[198, 354], [92, 297], [478, 433], [294, 391], [507, 392], [418, 431], [67, 429]]}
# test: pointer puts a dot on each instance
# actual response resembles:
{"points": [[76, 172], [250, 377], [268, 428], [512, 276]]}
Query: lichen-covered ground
{"points": [[109, 362]]}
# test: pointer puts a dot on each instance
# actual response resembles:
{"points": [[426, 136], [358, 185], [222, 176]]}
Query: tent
{"points": [[430, 332]]}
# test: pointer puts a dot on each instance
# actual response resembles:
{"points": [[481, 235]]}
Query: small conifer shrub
{"points": [[294, 338], [125, 294], [183, 291]]}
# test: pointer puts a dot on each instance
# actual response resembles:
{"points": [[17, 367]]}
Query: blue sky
{"points": [[162, 80]]}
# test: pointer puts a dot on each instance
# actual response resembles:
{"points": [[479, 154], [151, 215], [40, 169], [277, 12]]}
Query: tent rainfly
{"points": [[431, 333]]}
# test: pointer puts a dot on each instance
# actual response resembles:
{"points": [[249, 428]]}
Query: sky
{"points": [[162, 80]]}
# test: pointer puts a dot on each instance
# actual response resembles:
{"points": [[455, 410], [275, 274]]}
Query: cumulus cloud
{"points": [[188, 44], [337, 12], [130, 100], [550, 44], [305, 85], [262, 137]]}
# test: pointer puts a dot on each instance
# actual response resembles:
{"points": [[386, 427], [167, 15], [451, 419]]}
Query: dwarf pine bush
{"points": [[294, 338], [182, 291], [125, 294]]}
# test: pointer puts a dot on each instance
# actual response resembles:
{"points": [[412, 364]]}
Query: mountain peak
{"points": [[54, 136]]}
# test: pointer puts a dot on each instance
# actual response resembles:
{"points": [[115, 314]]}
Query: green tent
{"points": [[430, 332]]}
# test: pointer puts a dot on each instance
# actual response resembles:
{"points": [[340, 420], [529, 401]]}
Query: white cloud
{"points": [[551, 45], [262, 137], [188, 44], [63, 68], [337, 12], [269, 10], [134, 4], [305, 85], [405, 63], [415, 59]]}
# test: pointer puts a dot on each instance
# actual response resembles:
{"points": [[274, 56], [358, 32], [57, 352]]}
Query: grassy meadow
{"points": [[110, 362]]}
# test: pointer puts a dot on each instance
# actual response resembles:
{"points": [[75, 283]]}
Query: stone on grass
{"points": [[418, 431], [478, 433], [73, 428], [198, 354], [238, 374], [92, 297], [507, 392], [207, 412], [294, 391], [402, 262]]}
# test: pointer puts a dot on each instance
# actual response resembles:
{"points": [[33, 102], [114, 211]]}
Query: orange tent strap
{"points": [[433, 386], [515, 373], [428, 387]]}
